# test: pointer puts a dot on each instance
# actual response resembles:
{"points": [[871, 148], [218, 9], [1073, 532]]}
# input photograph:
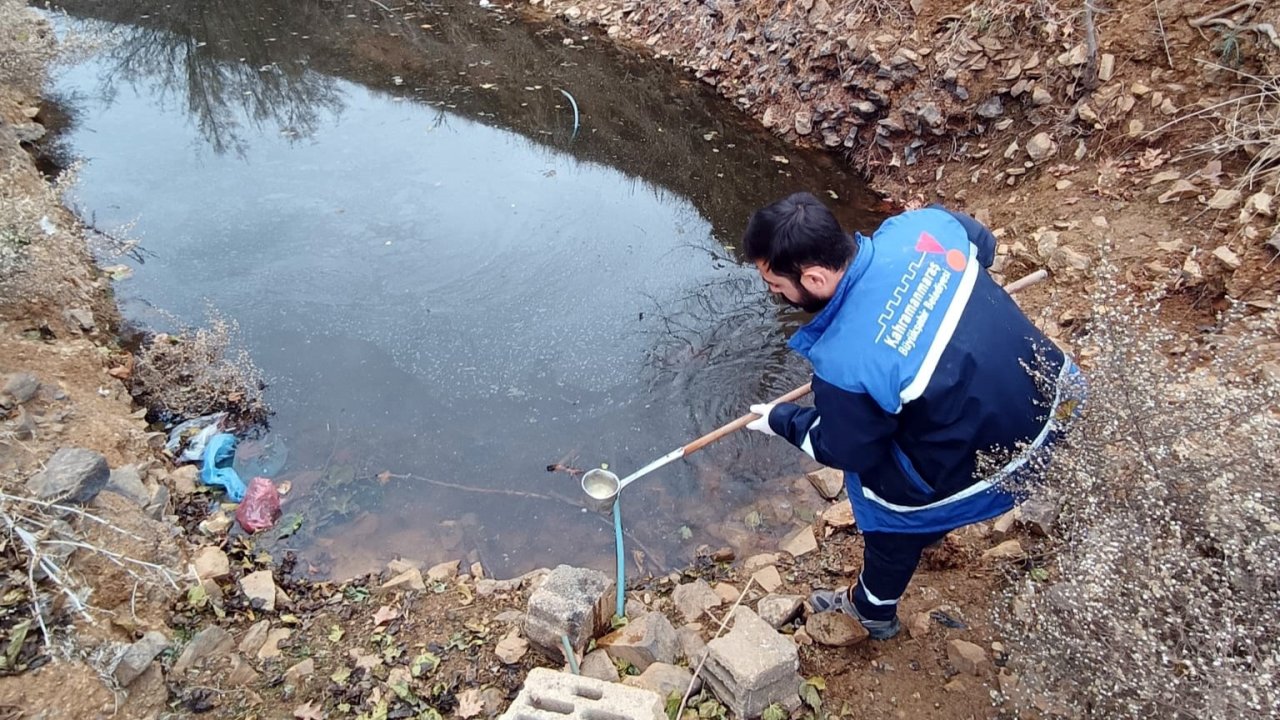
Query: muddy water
{"points": [[448, 286]]}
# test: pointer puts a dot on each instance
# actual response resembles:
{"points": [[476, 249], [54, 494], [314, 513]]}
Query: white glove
{"points": [[761, 424]]}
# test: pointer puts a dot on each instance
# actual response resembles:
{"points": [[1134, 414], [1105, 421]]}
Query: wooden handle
{"points": [[736, 425], [741, 422]]}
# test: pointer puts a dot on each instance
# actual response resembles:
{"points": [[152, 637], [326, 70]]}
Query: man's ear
{"points": [[815, 279]]}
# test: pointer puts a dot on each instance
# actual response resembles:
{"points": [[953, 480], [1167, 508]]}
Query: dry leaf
{"points": [[284, 487], [470, 703], [309, 711], [384, 615]]}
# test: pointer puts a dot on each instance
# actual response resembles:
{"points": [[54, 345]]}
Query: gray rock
{"points": [[210, 643], [260, 588], [21, 387], [865, 108], [577, 602], [691, 599], [127, 481], [643, 641], [664, 679], [138, 657], [80, 319], [1040, 147], [253, 640], [73, 475], [597, 664], [28, 132], [991, 109], [932, 115], [692, 646], [778, 610], [159, 503], [25, 427]]}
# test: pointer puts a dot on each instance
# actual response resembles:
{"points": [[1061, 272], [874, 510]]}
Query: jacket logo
{"points": [[902, 324]]}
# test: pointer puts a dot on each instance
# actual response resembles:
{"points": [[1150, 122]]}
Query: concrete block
{"points": [[577, 602], [643, 641], [752, 666], [552, 695]]}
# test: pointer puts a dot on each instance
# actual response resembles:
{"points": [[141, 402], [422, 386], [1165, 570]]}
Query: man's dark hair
{"points": [[795, 233]]}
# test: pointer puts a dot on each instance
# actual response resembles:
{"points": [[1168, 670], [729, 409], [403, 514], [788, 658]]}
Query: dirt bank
{"points": [[999, 108]]}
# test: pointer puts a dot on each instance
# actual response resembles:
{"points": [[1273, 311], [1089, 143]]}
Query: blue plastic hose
{"points": [[622, 561]]}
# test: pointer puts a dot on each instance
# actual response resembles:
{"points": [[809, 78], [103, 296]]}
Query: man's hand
{"points": [[761, 424]]}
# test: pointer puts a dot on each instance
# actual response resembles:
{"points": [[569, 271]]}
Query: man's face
{"points": [[795, 294]]}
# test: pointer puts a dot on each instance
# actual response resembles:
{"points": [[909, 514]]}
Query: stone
{"points": [[271, 647], [829, 482], [1040, 147], [72, 475], [1180, 190], [920, 625], [597, 664], [755, 562], [510, 649], [932, 115], [1040, 97], [209, 644], [242, 673], [211, 562], [549, 693], [577, 602], [804, 122], [1003, 525], [1065, 258], [768, 578], [834, 629], [1106, 67], [21, 387], [691, 599], [1088, 114], [184, 478], [137, 658], [1225, 199], [444, 571], [252, 641], [126, 481], [966, 657], [80, 319], [1039, 513], [643, 641], [300, 673], [216, 524], [158, 506], [865, 108], [799, 543], [664, 679], [692, 646], [752, 666], [838, 515], [778, 610], [726, 592], [25, 427], [510, 617], [260, 588], [1007, 550], [1063, 185], [410, 579], [991, 109], [400, 565]]}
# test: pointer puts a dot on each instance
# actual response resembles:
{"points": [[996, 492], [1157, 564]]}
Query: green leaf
{"points": [[809, 694], [817, 681], [289, 525], [618, 621], [335, 633], [430, 714], [18, 636], [685, 532], [1039, 574], [424, 663], [775, 712], [401, 689], [341, 676], [197, 597]]}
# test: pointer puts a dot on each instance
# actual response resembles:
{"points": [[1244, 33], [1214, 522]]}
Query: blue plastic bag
{"points": [[219, 455]]}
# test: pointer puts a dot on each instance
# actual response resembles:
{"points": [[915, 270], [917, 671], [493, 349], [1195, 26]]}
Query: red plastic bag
{"points": [[260, 508]]}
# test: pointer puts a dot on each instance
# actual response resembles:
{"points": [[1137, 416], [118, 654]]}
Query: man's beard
{"points": [[809, 302]]}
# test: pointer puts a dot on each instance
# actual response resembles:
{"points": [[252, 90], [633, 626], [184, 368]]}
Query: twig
{"points": [[684, 701], [1164, 37], [1091, 47], [119, 559], [384, 7], [486, 491], [67, 508]]}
